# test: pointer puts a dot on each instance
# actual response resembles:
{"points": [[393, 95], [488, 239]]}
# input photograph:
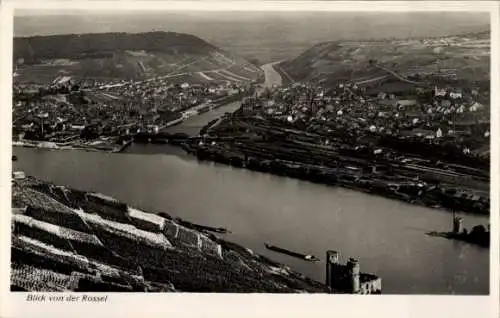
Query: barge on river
{"points": [[308, 257], [203, 228]]}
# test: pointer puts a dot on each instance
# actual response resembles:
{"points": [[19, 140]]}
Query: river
{"points": [[387, 236], [272, 77], [193, 125]]}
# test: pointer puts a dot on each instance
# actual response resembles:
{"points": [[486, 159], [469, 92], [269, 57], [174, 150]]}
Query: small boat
{"points": [[14, 158], [306, 257]]}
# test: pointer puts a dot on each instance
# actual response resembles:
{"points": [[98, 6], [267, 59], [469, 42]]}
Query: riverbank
{"points": [[410, 192], [259, 145], [482, 240], [420, 193], [118, 144], [100, 244], [102, 145]]}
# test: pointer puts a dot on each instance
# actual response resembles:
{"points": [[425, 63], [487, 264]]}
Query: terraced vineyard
{"points": [[64, 239], [467, 56]]}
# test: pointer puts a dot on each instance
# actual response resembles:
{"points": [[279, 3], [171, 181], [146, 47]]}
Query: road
{"points": [[372, 79], [397, 75]]}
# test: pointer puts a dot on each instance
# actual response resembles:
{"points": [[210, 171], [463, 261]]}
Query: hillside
{"points": [[267, 36], [111, 56], [465, 56], [65, 239]]}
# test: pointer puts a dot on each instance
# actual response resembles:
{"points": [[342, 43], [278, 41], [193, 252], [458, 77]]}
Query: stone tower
{"points": [[332, 261], [457, 224], [353, 266]]}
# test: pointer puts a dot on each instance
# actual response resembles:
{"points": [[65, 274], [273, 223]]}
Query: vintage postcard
{"points": [[200, 158]]}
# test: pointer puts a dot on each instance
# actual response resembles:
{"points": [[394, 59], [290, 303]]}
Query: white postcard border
{"points": [[247, 305]]}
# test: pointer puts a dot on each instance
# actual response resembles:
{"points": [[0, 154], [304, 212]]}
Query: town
{"points": [[93, 115], [428, 145], [161, 162]]}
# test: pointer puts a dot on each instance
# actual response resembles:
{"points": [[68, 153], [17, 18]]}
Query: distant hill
{"points": [[268, 36], [126, 56], [467, 56]]}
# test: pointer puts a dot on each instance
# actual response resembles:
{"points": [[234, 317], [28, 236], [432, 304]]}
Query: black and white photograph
{"points": [[263, 151]]}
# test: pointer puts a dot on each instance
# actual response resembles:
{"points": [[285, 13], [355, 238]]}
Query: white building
{"points": [[439, 91], [439, 133], [475, 107], [18, 175]]}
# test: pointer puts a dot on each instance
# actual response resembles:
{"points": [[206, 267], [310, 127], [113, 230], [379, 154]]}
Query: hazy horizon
{"points": [[263, 35]]}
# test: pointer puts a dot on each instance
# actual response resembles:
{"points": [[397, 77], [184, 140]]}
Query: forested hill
{"points": [[81, 45], [109, 56]]}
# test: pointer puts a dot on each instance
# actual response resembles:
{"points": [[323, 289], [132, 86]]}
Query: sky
{"points": [[263, 35]]}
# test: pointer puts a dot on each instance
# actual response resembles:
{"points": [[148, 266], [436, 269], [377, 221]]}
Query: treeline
{"points": [[33, 49]]}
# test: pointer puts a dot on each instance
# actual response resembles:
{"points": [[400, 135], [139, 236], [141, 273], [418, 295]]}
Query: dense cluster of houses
{"points": [[430, 113], [64, 110]]}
